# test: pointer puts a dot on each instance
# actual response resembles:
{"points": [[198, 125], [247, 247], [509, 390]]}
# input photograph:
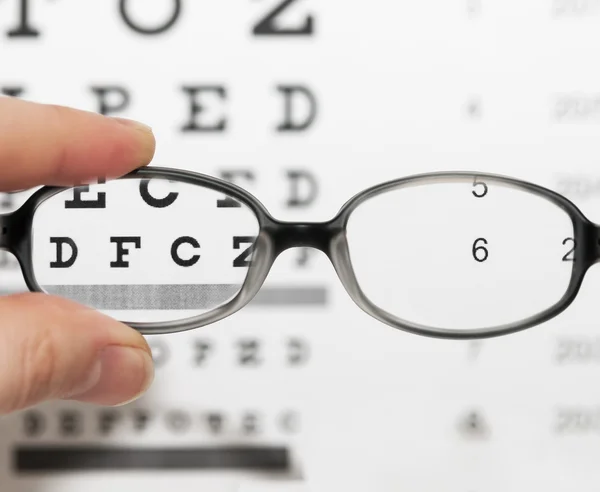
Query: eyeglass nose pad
{"points": [[263, 257], [340, 257]]}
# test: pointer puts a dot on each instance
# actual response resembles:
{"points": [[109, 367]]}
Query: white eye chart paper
{"points": [[305, 103]]}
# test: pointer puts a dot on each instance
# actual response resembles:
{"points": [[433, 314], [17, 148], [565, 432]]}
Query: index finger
{"points": [[56, 145]]}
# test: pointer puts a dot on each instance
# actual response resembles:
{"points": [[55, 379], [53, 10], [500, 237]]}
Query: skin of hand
{"points": [[52, 348]]}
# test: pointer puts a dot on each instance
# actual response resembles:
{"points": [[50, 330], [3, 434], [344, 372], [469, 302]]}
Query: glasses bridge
{"points": [[316, 235]]}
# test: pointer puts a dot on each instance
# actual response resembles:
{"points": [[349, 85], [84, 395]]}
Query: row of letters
{"points": [[267, 24], [124, 245], [302, 185], [249, 352], [208, 106], [71, 423]]}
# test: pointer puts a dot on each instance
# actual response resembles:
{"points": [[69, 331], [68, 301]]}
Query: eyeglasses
{"points": [[450, 255]]}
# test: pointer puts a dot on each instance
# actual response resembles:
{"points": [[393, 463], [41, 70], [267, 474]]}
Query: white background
{"points": [[402, 87]]}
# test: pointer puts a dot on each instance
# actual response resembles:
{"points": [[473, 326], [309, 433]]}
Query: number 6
{"points": [[480, 253]]}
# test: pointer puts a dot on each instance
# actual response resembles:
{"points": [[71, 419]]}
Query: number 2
{"points": [[571, 251]]}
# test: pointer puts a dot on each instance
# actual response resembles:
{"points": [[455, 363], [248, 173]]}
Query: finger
{"points": [[55, 145], [52, 348]]}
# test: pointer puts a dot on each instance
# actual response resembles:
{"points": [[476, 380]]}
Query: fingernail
{"points": [[133, 124], [145, 137], [89, 381], [125, 373]]}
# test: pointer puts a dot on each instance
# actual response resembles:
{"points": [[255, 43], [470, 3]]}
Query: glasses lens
{"points": [[143, 250], [461, 253]]}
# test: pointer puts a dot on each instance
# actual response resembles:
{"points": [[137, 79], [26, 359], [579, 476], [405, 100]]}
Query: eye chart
{"points": [[305, 103]]}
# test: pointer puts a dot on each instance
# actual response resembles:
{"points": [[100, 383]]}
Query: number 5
{"points": [[479, 183]]}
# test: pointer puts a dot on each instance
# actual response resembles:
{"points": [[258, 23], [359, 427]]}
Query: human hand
{"points": [[52, 348]]}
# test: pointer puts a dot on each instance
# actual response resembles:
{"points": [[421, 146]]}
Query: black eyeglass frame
{"points": [[276, 236]]}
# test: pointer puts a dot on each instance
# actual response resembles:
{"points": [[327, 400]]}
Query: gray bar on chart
{"points": [[30, 459], [291, 296], [183, 296]]}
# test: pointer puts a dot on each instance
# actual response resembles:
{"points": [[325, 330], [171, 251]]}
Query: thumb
{"points": [[52, 348]]}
